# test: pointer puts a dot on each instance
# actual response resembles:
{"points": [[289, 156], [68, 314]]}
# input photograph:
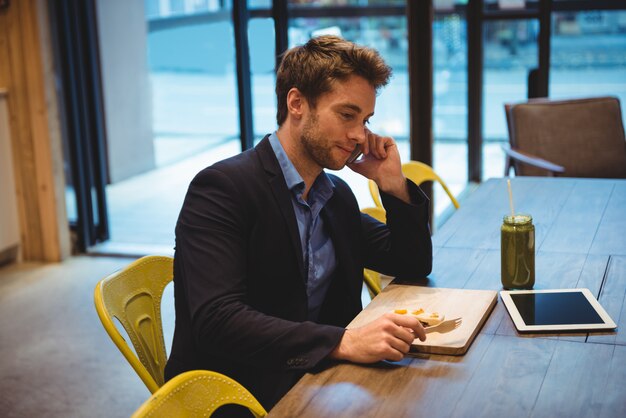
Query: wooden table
{"points": [[581, 242]]}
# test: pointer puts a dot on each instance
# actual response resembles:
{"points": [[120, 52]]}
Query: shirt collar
{"points": [[323, 185]]}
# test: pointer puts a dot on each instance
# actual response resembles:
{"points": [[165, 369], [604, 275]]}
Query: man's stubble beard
{"points": [[317, 147]]}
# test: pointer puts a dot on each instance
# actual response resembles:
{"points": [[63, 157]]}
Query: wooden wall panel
{"points": [[26, 72], [58, 216]]}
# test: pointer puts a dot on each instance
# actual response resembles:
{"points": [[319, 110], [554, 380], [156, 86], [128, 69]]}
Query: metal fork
{"points": [[445, 326]]}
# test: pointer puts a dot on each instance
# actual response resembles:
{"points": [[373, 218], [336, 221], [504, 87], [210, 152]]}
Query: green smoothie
{"points": [[518, 252]]}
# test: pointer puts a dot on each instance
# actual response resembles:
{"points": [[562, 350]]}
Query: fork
{"points": [[445, 326]]}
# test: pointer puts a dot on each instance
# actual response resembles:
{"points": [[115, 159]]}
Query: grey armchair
{"points": [[570, 138]]}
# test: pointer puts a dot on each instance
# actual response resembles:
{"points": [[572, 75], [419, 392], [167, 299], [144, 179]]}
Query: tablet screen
{"points": [[555, 309]]}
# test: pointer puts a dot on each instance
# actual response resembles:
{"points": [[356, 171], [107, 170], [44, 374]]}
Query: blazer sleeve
{"points": [[211, 254], [402, 247]]}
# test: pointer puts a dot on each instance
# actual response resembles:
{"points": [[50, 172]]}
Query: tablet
{"points": [[556, 310]]}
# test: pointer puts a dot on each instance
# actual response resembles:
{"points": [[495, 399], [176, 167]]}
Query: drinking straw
{"points": [[508, 183]]}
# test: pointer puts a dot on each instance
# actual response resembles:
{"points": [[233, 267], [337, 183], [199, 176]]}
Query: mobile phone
{"points": [[355, 154]]}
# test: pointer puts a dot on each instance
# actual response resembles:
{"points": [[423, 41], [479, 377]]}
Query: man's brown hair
{"points": [[313, 67]]}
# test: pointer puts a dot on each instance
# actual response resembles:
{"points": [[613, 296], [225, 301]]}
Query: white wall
{"points": [[126, 85]]}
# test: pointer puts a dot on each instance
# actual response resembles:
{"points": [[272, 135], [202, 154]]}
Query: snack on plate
{"points": [[425, 317]]}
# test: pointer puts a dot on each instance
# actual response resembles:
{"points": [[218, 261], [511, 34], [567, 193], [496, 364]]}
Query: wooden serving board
{"points": [[474, 306]]}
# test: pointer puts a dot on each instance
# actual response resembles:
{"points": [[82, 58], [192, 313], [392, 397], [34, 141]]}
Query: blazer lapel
{"points": [[282, 195]]}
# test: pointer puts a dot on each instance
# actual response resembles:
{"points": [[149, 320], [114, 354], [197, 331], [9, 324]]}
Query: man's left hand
{"points": [[381, 162]]}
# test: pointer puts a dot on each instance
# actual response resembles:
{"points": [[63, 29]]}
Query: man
{"points": [[270, 249]]}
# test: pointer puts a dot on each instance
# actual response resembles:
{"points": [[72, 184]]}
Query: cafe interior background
{"points": [[109, 108]]}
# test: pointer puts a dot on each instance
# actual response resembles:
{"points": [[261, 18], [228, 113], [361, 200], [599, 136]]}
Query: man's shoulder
{"points": [[249, 162], [242, 161], [235, 166], [245, 172], [230, 174]]}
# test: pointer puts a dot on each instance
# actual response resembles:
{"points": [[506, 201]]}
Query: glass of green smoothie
{"points": [[517, 252]]}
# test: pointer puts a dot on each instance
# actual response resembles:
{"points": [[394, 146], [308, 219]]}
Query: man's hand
{"points": [[387, 338], [381, 163]]}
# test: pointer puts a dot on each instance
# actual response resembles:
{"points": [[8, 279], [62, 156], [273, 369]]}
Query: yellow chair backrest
{"points": [[375, 193], [418, 173], [197, 393], [372, 281], [376, 213], [133, 296], [371, 277]]}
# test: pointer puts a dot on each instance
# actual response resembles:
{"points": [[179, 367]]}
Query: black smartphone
{"points": [[355, 154]]}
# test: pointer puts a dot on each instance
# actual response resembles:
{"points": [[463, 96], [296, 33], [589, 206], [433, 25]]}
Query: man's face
{"points": [[336, 125]]}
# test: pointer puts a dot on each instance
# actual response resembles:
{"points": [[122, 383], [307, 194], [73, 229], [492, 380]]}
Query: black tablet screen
{"points": [[566, 308]]}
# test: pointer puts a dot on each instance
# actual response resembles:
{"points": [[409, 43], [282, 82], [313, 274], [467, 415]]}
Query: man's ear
{"points": [[296, 103]]}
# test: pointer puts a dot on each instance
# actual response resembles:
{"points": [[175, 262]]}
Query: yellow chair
{"points": [[133, 296], [371, 277], [197, 393], [418, 173], [373, 282], [377, 213]]}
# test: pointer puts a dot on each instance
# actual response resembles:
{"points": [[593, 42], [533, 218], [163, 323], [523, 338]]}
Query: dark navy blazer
{"points": [[239, 279]]}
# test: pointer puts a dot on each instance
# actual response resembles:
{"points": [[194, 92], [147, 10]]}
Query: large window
{"points": [[588, 54], [193, 96], [339, 3], [510, 53], [450, 104], [262, 63], [176, 61]]}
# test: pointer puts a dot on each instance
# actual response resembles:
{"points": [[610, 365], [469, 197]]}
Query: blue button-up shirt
{"points": [[318, 251]]}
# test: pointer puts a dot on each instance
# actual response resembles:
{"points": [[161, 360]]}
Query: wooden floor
{"points": [[57, 360]]}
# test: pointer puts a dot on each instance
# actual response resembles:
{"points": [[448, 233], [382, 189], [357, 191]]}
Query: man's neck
{"points": [[308, 169]]}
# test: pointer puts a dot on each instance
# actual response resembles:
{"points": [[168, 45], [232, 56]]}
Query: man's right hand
{"points": [[387, 338]]}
